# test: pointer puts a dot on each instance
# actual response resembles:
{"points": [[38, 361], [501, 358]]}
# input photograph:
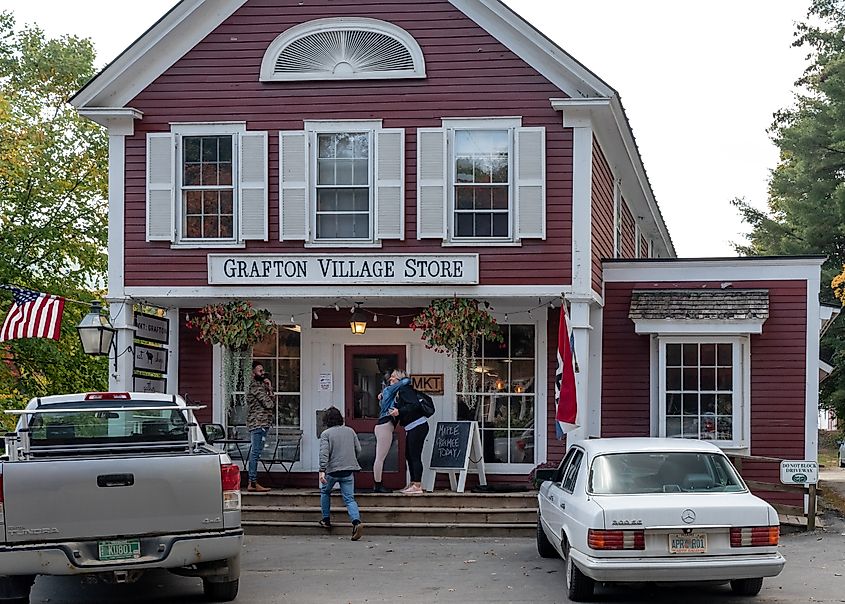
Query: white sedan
{"points": [[655, 509]]}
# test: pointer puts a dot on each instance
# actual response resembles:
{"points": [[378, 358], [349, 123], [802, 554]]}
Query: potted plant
{"points": [[455, 326], [236, 326], [542, 473]]}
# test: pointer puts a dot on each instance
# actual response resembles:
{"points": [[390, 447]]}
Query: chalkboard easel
{"points": [[456, 451]]}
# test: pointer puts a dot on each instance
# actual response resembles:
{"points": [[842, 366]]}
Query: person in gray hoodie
{"points": [[339, 450]]}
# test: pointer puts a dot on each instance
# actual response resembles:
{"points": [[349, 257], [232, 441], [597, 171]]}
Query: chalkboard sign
{"points": [[451, 444]]}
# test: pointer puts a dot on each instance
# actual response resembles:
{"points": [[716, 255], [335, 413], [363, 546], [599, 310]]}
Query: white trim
{"points": [[173, 351], [336, 24], [811, 395], [201, 128], [116, 209], [217, 385], [119, 120], [481, 123], [827, 315], [324, 126], [637, 238], [617, 218], [664, 327], [721, 270], [541, 372], [582, 210]]}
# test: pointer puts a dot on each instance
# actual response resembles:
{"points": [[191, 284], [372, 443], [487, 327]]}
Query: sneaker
{"points": [[254, 487], [326, 524], [413, 490], [357, 531], [380, 488]]}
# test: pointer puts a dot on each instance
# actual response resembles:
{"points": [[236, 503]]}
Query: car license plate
{"points": [[694, 543], [120, 550]]}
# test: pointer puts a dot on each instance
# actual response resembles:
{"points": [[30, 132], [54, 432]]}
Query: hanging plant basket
{"points": [[456, 326], [236, 326]]}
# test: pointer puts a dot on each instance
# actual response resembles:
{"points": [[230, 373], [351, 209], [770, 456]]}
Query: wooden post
{"points": [[811, 509]]}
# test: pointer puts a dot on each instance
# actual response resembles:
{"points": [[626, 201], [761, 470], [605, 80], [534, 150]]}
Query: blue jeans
{"points": [[257, 438], [347, 490]]}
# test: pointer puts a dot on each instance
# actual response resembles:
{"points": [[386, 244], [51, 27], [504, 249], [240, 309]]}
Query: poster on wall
{"points": [[149, 385]]}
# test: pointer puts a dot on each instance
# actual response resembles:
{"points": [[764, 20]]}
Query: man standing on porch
{"points": [[260, 417]]}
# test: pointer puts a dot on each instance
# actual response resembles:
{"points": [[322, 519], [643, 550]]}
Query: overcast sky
{"points": [[699, 81]]}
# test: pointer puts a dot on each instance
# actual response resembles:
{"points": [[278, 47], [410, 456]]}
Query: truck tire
{"points": [[544, 546], [747, 587], [15, 589], [220, 592]]}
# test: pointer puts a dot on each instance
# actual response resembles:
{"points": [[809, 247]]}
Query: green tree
{"points": [[806, 205], [53, 213]]}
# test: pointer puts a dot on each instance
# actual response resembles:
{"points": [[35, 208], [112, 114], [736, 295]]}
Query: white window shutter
{"points": [[293, 186], [252, 186], [161, 167], [530, 183], [431, 183], [390, 184]]}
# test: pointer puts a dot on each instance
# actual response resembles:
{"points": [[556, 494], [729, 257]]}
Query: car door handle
{"points": [[115, 480], [562, 505], [551, 497]]}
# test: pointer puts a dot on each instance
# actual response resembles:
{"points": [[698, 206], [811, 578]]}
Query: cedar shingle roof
{"points": [[700, 304]]}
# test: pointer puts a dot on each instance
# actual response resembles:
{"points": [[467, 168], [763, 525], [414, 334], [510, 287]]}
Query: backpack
{"points": [[426, 404]]}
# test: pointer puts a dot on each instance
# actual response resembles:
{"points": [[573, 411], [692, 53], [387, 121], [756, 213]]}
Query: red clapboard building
{"points": [[314, 156]]}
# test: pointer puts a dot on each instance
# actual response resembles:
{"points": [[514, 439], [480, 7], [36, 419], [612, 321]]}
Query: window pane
{"points": [[724, 355], [708, 354], [500, 198], [209, 149], [673, 379], [521, 340], [522, 450], [708, 378], [361, 201], [708, 426], [463, 169], [690, 355], [690, 379], [227, 227], [289, 342], [344, 146], [482, 170], [226, 202], [345, 200], [690, 404], [673, 404], [327, 200], [500, 225], [266, 348], [193, 202], [673, 426], [673, 355], [325, 172], [360, 172], [708, 403], [522, 412], [191, 176], [724, 379], [191, 149], [193, 226], [499, 168], [210, 202], [210, 226], [522, 376], [288, 410], [724, 428], [288, 375], [689, 426], [464, 198], [483, 225], [724, 404], [344, 172], [224, 174], [464, 225]]}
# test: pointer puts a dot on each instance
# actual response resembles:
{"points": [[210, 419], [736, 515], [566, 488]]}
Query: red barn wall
{"points": [[629, 236]]}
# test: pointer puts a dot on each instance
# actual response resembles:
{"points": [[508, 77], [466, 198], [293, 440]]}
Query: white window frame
{"points": [[637, 236], [510, 124], [741, 356], [315, 128], [181, 130]]}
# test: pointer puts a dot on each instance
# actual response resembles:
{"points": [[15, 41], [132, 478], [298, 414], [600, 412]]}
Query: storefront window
{"points": [[503, 397], [280, 353]]}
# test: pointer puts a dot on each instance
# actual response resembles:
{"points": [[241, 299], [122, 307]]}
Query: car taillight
{"points": [[230, 478], [601, 539], [755, 536]]}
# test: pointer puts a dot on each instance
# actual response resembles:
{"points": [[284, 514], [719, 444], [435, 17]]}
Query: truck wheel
{"points": [[747, 587], [15, 589], [544, 546], [579, 587], [220, 592]]}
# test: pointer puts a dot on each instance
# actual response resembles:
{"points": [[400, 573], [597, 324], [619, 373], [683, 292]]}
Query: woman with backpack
{"points": [[384, 428], [414, 419]]}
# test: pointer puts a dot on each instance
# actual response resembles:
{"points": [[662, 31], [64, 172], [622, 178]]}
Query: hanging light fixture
{"points": [[358, 320], [96, 333]]}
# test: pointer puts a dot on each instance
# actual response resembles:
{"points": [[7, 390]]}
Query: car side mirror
{"points": [[213, 432]]}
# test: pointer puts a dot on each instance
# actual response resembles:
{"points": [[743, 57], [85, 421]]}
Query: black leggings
{"points": [[414, 441]]}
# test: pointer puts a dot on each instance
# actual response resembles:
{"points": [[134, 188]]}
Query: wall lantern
{"points": [[358, 321], [97, 334]]}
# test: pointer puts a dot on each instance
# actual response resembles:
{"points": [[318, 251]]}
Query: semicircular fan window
{"points": [[344, 53]]}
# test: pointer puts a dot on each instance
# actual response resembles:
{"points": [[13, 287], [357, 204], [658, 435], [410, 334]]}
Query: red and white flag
{"points": [[32, 315], [566, 417]]}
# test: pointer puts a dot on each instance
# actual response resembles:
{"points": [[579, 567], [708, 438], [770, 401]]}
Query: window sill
{"points": [[343, 244], [482, 243], [201, 246]]}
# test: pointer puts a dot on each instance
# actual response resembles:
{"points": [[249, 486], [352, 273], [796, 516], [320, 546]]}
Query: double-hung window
{"points": [[207, 185], [481, 182], [342, 183]]}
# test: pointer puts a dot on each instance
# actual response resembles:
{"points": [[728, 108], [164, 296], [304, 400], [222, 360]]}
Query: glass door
{"points": [[365, 368]]}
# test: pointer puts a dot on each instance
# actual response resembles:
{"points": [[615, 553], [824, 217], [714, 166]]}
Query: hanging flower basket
{"points": [[455, 326], [236, 326]]}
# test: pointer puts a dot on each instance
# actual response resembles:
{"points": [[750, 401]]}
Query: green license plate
{"points": [[120, 550]]}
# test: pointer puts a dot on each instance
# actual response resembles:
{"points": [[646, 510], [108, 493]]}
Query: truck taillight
{"points": [[107, 396], [601, 539], [230, 478], [755, 536], [2, 504]]}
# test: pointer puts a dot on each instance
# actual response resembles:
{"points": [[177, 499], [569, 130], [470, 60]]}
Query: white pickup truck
{"points": [[110, 485]]}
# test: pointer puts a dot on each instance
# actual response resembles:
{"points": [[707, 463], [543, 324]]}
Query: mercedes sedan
{"points": [[657, 510]]}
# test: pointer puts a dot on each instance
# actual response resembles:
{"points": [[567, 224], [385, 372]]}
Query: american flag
{"points": [[32, 315]]}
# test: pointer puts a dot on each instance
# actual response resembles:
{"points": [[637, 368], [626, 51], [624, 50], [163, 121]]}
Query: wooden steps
{"points": [[443, 513]]}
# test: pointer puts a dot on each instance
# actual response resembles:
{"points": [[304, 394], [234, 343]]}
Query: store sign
{"points": [[342, 269], [151, 328], [799, 471], [149, 385], [430, 383], [151, 359]]}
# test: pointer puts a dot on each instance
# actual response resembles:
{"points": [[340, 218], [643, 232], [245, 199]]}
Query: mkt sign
{"points": [[342, 269], [799, 472]]}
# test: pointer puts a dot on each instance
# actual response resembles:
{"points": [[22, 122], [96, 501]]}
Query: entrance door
{"points": [[365, 367]]}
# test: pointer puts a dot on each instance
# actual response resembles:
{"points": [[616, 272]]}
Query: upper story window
{"points": [[207, 185], [342, 183], [481, 181], [343, 49]]}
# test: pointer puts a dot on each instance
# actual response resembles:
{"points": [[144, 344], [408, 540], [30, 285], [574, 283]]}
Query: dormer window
{"points": [[343, 49]]}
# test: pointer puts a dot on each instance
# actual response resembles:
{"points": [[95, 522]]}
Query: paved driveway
{"points": [[390, 569]]}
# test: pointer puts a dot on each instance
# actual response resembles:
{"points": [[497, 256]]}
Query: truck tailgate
{"points": [[81, 499]]}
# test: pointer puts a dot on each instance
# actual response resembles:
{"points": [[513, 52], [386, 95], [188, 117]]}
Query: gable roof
{"points": [[190, 21]]}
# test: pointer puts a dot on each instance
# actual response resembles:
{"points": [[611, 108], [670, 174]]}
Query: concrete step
{"points": [[397, 514], [429, 529], [441, 499]]}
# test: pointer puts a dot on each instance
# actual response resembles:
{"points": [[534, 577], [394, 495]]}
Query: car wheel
{"points": [[220, 592], [544, 546], [579, 587], [841, 463], [747, 587]]}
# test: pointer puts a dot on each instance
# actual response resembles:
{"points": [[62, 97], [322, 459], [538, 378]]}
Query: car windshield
{"points": [[128, 424], [666, 472]]}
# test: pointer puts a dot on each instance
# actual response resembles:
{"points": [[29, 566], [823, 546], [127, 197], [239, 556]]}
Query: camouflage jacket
{"points": [[260, 406]]}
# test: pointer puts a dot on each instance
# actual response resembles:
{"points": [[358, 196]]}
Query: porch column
{"points": [[121, 315]]}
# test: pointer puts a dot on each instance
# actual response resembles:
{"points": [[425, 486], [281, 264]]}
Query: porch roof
{"points": [[699, 305]]}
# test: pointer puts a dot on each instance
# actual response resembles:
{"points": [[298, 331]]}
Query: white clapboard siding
{"points": [[161, 167], [293, 185], [252, 185], [531, 183], [431, 183], [390, 184]]}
